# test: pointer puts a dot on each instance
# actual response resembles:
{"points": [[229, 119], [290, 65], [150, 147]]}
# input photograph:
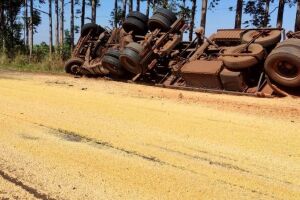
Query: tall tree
{"points": [[26, 22], [239, 13], [82, 12], [50, 29], [203, 14], [138, 4], [297, 23], [72, 25], [62, 30], [266, 15], [116, 14], [31, 29], [165, 3], [56, 24], [280, 13], [94, 10], [130, 5], [124, 9], [192, 23], [148, 8]]}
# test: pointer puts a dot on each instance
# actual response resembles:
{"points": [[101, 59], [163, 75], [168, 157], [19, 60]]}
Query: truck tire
{"points": [[138, 27], [138, 15], [113, 65], [159, 22], [97, 30], [272, 38], [282, 66], [73, 66], [167, 13], [289, 42], [256, 54], [130, 58], [113, 53]]}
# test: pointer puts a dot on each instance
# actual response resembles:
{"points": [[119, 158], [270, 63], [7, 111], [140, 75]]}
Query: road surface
{"points": [[75, 138]]}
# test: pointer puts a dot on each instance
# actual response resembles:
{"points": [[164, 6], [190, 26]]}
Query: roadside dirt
{"points": [[75, 138]]}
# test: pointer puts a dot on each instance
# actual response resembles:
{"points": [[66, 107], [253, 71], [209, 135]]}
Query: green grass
{"points": [[22, 63]]}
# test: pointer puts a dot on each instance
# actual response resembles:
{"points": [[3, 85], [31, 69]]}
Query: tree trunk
{"points": [[82, 13], [31, 29], [116, 14], [203, 14], [94, 11], [138, 4], [297, 24], [148, 8], [130, 5], [266, 16], [280, 13], [192, 24], [50, 29], [2, 34], [56, 25], [72, 25], [124, 10], [238, 14], [165, 3], [61, 34], [26, 22]]}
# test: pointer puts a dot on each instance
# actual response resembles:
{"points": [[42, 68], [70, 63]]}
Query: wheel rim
{"points": [[75, 69], [287, 70]]}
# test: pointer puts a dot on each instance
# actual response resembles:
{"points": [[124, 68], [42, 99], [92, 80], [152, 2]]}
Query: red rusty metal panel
{"points": [[202, 74], [228, 35], [233, 81]]}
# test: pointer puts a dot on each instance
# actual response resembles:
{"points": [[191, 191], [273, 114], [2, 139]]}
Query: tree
{"points": [[266, 15], [50, 28], [116, 14], [72, 25], [192, 23], [31, 29], [56, 24], [280, 13], [130, 5], [61, 30], [138, 3], [124, 9], [148, 8], [297, 21], [94, 10], [203, 14], [82, 12], [26, 23], [238, 15]]}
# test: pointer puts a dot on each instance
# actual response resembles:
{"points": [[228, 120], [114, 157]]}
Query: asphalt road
{"points": [[67, 138]]}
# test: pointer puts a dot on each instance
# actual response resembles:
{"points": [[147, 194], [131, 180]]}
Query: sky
{"points": [[220, 17]]}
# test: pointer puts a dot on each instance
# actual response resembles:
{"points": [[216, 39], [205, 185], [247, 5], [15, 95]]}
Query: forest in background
{"points": [[19, 20]]}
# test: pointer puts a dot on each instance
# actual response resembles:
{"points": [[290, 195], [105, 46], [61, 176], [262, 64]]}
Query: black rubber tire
{"points": [[73, 63], [266, 41], [113, 65], [138, 15], [130, 59], [243, 62], [167, 13], [113, 53], [135, 25], [289, 42], [159, 22], [284, 58], [97, 30]]}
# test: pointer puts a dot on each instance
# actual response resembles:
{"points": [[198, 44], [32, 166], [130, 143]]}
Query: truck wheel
{"points": [[282, 66], [113, 65], [138, 15], [167, 13], [289, 42], [113, 53], [256, 54], [130, 58], [135, 25], [73, 66], [158, 21], [97, 30], [267, 40]]}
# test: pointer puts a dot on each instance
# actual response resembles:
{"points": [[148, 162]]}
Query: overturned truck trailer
{"points": [[256, 62]]}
